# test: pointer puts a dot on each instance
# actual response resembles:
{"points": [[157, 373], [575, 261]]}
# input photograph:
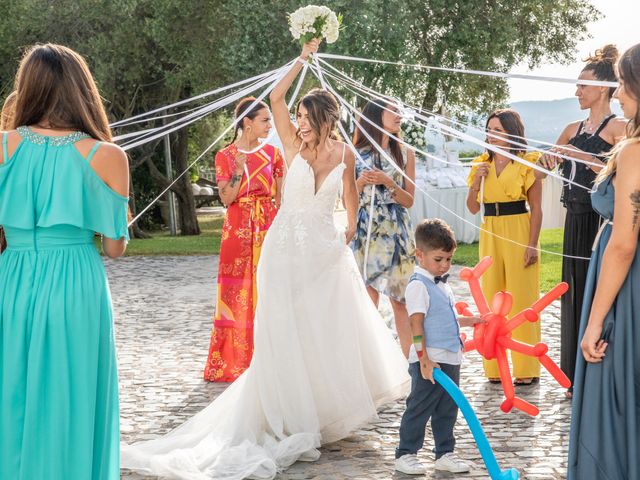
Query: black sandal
{"points": [[526, 380]]}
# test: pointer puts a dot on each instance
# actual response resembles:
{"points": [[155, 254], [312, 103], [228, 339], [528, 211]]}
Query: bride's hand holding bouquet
{"points": [[310, 47]]}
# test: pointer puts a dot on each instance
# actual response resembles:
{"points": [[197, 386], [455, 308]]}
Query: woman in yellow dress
{"points": [[509, 186]]}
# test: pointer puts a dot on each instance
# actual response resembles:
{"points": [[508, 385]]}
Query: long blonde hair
{"points": [[8, 109], [628, 64], [54, 83]]}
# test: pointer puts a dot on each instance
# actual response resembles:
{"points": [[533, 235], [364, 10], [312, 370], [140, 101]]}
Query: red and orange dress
{"points": [[245, 226]]}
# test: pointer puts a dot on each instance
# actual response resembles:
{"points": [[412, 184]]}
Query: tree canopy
{"points": [[149, 53]]}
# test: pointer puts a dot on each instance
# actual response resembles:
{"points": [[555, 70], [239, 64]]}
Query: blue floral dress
{"points": [[391, 251]]}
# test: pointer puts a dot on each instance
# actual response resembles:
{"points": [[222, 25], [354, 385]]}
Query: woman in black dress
{"points": [[587, 140]]}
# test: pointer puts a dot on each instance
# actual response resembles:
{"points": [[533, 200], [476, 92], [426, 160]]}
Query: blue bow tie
{"points": [[442, 278]]}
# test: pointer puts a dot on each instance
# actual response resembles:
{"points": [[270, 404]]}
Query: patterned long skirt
{"points": [[231, 348]]}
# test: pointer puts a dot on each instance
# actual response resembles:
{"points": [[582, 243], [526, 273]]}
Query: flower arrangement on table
{"points": [[315, 21]]}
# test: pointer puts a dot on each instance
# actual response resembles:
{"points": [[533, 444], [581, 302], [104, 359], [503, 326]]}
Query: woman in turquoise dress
{"points": [[61, 181], [605, 422], [383, 244]]}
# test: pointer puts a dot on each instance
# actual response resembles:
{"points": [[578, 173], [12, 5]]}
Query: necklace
{"points": [[590, 127]]}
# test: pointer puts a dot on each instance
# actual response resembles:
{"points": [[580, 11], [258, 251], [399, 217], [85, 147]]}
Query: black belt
{"points": [[505, 208]]}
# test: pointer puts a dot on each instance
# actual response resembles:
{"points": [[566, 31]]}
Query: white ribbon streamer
{"points": [[129, 120], [290, 104], [481, 200], [452, 132], [279, 76], [346, 79], [325, 85], [597, 83], [194, 117]]}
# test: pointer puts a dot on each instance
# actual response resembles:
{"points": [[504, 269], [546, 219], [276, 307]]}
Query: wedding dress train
{"points": [[323, 362]]}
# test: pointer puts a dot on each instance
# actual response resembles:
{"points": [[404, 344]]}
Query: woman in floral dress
{"points": [[385, 255], [249, 182]]}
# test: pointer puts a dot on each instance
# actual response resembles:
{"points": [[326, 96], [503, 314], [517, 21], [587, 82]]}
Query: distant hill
{"points": [[545, 120]]}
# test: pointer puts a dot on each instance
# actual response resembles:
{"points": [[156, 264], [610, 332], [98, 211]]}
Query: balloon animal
{"points": [[492, 338]]}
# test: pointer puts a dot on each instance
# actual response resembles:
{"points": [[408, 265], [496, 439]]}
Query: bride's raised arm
{"points": [[285, 128]]}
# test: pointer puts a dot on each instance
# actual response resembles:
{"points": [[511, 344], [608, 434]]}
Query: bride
{"points": [[324, 359]]}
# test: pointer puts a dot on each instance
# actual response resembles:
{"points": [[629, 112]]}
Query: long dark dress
{"points": [[580, 228], [605, 423]]}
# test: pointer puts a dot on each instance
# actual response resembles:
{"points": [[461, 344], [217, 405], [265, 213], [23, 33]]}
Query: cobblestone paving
{"points": [[163, 308]]}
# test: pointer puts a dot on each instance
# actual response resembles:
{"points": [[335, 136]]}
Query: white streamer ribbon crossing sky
{"points": [[271, 78]]}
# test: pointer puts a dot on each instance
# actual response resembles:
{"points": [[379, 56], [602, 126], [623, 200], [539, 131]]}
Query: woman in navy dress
{"points": [[605, 424]]}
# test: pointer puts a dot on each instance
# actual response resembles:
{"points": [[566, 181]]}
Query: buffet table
{"points": [[454, 199]]}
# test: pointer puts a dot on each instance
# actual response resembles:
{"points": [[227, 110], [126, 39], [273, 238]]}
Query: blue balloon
{"points": [[476, 429]]}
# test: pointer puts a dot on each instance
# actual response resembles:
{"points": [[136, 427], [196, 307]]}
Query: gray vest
{"points": [[441, 322]]}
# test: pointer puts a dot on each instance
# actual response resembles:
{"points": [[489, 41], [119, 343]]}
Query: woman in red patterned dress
{"points": [[252, 202]]}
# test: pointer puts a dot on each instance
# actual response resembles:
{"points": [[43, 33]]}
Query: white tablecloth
{"points": [[553, 212], [454, 199]]}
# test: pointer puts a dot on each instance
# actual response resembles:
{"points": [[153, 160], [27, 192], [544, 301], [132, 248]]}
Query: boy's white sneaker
{"points": [[410, 465], [450, 463]]}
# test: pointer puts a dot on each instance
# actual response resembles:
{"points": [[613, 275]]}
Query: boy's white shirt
{"points": [[417, 300]]}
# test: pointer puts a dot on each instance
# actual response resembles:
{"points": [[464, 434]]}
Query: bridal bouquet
{"points": [[313, 21]]}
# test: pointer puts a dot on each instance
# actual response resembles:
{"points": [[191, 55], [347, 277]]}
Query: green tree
{"points": [[471, 34], [148, 53]]}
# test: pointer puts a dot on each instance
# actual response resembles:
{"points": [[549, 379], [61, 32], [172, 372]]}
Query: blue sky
{"points": [[620, 25]]}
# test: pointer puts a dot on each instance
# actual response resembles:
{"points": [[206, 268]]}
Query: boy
{"points": [[436, 344]]}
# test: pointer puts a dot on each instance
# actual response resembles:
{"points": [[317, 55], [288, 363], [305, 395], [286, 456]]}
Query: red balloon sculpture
{"points": [[492, 338]]}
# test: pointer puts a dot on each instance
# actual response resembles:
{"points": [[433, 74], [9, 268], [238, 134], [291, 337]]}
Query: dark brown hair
{"points": [[324, 112], [373, 111], [602, 64], [243, 107], [514, 128], [435, 234], [54, 83]]}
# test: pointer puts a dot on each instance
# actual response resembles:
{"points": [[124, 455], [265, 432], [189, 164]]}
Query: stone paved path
{"points": [[163, 308]]}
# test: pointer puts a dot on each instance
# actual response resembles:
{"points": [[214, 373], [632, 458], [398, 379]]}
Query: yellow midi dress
{"points": [[508, 272]]}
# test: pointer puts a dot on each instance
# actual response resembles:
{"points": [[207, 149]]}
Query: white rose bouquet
{"points": [[313, 21], [414, 135]]}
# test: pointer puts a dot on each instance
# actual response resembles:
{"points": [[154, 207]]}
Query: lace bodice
{"points": [[299, 193], [305, 220]]}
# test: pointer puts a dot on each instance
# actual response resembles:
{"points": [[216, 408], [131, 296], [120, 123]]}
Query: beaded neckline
{"points": [[55, 141]]}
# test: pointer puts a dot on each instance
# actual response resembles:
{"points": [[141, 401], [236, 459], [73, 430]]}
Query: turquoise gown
{"points": [[604, 443], [59, 388]]}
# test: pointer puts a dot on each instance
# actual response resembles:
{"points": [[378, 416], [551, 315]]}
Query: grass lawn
{"points": [[162, 243], [208, 243], [551, 266]]}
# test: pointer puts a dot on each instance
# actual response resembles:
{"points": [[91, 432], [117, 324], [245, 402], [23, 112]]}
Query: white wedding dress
{"points": [[323, 360]]}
